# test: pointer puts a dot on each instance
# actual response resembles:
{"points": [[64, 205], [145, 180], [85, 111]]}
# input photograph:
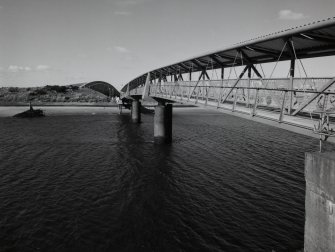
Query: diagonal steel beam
{"points": [[235, 84], [230, 63], [314, 96], [201, 75], [265, 50], [290, 47], [229, 57], [320, 37], [216, 60], [250, 63], [195, 62], [145, 93], [184, 67], [206, 74], [174, 70], [180, 77]]}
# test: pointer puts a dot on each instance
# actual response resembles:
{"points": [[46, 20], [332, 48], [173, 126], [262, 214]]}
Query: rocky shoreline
{"points": [[57, 104], [31, 113]]}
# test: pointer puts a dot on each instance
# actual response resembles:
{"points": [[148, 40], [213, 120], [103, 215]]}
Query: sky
{"points": [[59, 42]]}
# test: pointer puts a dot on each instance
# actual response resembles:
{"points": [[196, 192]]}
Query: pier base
{"points": [[136, 111], [163, 123], [320, 202]]}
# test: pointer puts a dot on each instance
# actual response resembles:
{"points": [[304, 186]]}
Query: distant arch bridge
{"points": [[102, 87]]}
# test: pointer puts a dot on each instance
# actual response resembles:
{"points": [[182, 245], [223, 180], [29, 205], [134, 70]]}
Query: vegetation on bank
{"points": [[51, 94]]}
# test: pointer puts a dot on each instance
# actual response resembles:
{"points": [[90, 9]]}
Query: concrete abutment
{"points": [[320, 202]]}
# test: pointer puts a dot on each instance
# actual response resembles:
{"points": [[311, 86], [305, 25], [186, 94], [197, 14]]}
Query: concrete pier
{"points": [[136, 111], [320, 202], [168, 123], [163, 123]]}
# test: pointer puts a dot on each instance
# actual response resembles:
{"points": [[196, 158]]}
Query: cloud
{"points": [[130, 3], [82, 55], [15, 68], [290, 15], [122, 13], [126, 2], [121, 49], [42, 67]]}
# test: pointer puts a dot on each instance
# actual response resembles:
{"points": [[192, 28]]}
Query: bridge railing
{"points": [[137, 91], [273, 94]]}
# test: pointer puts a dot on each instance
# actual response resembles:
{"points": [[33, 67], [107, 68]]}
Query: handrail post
{"points": [[255, 104], [291, 96], [202, 92], [207, 93], [235, 99], [196, 99], [219, 94], [248, 94], [203, 87], [181, 92], [248, 90], [325, 99], [171, 90], [189, 92], [282, 108]]}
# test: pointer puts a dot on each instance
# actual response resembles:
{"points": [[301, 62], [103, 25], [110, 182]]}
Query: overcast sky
{"points": [[71, 41]]}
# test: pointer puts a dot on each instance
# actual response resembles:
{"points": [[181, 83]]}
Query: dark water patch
{"points": [[98, 183]]}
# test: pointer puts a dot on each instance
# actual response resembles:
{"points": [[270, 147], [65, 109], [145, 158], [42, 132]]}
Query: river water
{"points": [[86, 179]]}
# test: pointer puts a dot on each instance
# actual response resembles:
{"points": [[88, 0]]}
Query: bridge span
{"points": [[253, 100], [298, 103], [295, 102]]}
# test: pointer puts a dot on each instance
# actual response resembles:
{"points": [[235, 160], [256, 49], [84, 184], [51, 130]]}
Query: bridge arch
{"points": [[102, 87]]}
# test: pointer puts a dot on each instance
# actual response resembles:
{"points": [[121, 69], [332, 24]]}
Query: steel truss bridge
{"points": [[291, 102]]}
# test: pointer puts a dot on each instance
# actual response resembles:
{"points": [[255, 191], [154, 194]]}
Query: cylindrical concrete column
{"points": [[136, 111], [163, 123], [320, 202], [159, 124], [168, 123]]}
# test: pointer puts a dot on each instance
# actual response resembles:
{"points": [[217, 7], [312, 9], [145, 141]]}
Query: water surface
{"points": [[89, 180]]}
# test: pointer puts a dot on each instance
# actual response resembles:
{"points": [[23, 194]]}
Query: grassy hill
{"points": [[51, 94]]}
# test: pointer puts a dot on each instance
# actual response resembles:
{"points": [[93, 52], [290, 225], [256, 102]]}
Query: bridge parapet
{"points": [[266, 93], [136, 91]]}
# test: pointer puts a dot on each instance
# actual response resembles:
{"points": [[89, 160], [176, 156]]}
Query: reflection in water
{"points": [[99, 183]]}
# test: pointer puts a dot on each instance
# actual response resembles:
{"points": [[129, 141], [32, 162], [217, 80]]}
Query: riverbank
{"points": [[10, 109], [58, 104], [66, 109]]}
